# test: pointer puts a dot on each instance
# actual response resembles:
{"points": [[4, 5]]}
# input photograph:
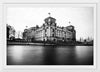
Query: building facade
{"points": [[49, 31]]}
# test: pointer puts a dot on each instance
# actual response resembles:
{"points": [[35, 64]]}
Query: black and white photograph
{"points": [[50, 35]]}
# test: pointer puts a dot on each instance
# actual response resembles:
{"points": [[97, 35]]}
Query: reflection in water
{"points": [[84, 54], [66, 56], [49, 55], [17, 54], [25, 55]]}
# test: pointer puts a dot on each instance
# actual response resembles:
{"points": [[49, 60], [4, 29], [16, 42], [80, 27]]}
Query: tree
{"points": [[8, 32], [37, 26]]}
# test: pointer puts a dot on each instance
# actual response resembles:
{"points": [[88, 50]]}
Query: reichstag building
{"points": [[49, 31]]}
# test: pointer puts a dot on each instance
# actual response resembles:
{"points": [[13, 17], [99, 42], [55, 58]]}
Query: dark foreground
{"points": [[49, 55]]}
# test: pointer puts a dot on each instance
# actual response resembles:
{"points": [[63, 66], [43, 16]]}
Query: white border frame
{"points": [[77, 68], [51, 5]]}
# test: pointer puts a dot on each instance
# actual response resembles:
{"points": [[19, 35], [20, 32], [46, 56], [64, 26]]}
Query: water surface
{"points": [[49, 55]]}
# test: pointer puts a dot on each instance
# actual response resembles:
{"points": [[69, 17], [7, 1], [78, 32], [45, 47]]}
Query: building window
{"points": [[53, 35], [53, 30], [45, 30]]}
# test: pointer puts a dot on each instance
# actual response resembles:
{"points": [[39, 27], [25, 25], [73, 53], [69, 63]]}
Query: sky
{"points": [[80, 17]]}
